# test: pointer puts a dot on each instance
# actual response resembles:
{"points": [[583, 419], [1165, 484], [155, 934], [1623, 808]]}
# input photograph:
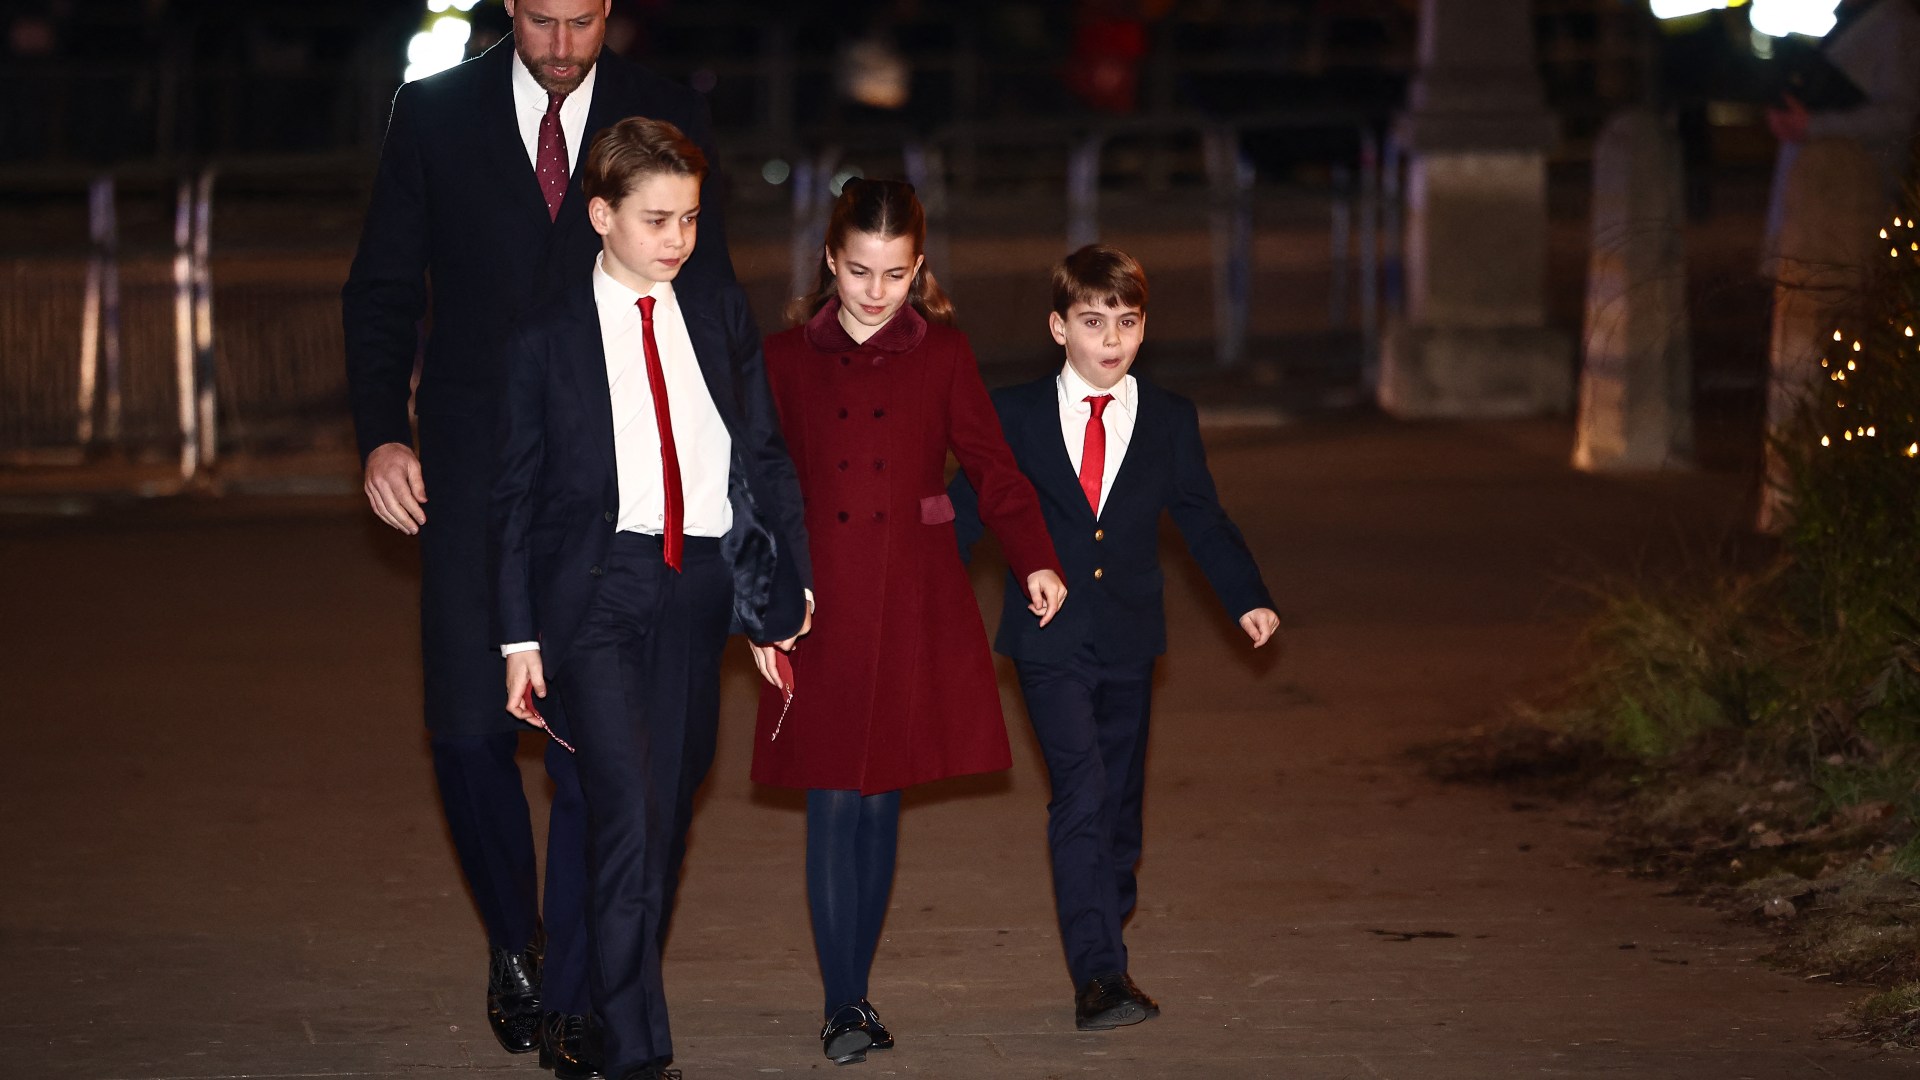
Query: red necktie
{"points": [[1093, 452], [670, 533], [550, 160]]}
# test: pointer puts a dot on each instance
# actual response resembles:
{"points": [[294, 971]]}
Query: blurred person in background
{"points": [[478, 196]]}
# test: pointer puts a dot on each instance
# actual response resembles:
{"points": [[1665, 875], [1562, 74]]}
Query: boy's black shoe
{"points": [[846, 1038], [570, 1046], [882, 1038], [513, 998], [1139, 995], [1106, 1002]]}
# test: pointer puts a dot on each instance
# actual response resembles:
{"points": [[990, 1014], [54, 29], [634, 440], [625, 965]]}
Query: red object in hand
{"points": [[541, 721], [782, 667]]}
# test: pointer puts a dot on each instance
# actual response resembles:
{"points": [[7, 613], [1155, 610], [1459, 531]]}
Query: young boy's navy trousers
{"points": [[1091, 719], [641, 686]]}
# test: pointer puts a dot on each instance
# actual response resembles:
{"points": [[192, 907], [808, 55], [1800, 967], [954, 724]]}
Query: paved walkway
{"points": [[222, 856]]}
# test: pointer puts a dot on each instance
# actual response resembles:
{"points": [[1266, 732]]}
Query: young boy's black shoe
{"points": [[1106, 1003]]}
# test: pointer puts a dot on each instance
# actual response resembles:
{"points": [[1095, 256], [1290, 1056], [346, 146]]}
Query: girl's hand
{"points": [[1045, 593], [769, 669], [1260, 624]]}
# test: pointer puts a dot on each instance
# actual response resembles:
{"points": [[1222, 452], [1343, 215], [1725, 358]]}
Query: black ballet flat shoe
{"points": [[882, 1038], [570, 1047], [513, 999], [846, 1038], [1105, 1003]]}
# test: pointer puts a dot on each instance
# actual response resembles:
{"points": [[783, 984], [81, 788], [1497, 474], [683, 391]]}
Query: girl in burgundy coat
{"points": [[895, 685]]}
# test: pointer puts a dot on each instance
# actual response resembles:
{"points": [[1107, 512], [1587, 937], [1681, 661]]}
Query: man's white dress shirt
{"points": [[1117, 420]]}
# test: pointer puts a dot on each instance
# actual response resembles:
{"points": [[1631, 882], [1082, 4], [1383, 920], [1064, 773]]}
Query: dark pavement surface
{"points": [[223, 858]]}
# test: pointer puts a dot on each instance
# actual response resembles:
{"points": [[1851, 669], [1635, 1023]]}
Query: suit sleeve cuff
{"points": [[519, 646]]}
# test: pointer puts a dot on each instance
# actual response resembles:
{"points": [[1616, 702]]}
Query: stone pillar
{"points": [[1636, 384], [1828, 207], [1474, 339]]}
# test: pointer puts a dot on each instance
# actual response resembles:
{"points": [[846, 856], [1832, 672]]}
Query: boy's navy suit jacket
{"points": [[557, 495], [1114, 579]]}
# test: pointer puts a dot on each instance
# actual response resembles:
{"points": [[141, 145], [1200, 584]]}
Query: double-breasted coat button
{"points": [[843, 414], [843, 465], [593, 571], [878, 413], [879, 464], [607, 516], [879, 515], [842, 515], [1099, 535], [1098, 573], [845, 360]]}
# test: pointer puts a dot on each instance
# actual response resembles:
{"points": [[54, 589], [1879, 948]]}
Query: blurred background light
{"points": [[1680, 9], [1778, 18], [440, 46]]}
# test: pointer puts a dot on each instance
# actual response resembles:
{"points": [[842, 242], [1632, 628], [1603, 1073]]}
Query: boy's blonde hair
{"points": [[635, 148]]}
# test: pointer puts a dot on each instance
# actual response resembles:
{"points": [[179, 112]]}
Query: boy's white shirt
{"points": [[1117, 420]]}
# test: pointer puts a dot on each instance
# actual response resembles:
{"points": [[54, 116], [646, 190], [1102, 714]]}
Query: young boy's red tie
{"points": [[669, 460], [1093, 452]]}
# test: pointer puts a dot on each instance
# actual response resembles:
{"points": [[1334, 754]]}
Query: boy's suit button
{"points": [[608, 516], [1098, 573], [1099, 535], [593, 571]]}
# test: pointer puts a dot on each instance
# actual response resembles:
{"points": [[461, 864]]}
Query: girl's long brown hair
{"points": [[886, 209]]}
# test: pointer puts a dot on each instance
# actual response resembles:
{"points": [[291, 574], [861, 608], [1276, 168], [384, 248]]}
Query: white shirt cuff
{"points": [[809, 593], [519, 646]]}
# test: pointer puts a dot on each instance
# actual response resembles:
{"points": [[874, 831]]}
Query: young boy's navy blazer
{"points": [[1113, 573], [1088, 676], [556, 494]]}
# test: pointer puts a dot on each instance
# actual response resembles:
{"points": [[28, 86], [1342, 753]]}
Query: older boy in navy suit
{"points": [[1107, 452], [644, 507]]}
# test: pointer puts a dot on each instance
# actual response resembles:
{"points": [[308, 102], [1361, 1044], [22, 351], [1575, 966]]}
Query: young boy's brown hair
{"points": [[635, 148], [1099, 275]]}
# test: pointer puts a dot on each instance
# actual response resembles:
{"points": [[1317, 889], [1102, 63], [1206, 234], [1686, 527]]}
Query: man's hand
{"points": [[1789, 122], [524, 670], [395, 488], [1045, 593], [1260, 623]]}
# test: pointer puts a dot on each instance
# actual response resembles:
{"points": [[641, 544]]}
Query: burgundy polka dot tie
{"points": [[552, 156]]}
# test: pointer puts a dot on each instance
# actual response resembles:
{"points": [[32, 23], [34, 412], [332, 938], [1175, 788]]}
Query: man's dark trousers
{"points": [[641, 687], [1090, 716], [474, 738]]}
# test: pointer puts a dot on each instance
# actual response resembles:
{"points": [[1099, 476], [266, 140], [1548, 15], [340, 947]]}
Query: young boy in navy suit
{"points": [[645, 508], [1107, 451]]}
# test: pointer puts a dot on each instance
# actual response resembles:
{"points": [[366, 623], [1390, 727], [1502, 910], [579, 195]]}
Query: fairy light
{"points": [[1824, 441], [1913, 449], [1849, 365]]}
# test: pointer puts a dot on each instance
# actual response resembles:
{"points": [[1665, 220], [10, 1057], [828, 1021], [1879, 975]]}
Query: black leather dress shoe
{"points": [[882, 1038], [1105, 1002], [570, 1046], [513, 999], [846, 1038], [1139, 995]]}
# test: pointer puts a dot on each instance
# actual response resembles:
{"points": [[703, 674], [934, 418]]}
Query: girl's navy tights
{"points": [[851, 840]]}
